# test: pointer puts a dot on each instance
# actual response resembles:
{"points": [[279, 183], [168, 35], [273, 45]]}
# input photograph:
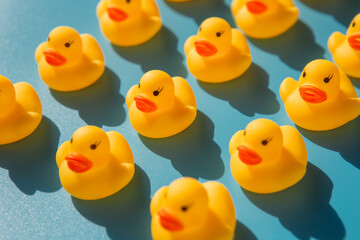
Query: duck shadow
{"points": [[31, 161], [342, 10], [243, 233], [192, 152], [99, 104], [160, 53], [248, 93], [355, 81], [126, 214], [296, 47], [344, 140], [304, 209]]}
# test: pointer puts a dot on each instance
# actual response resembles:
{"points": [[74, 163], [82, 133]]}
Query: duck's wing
{"points": [[335, 40], [287, 87], [151, 9], [120, 148], [189, 44], [39, 51], [158, 200], [184, 92], [294, 143], [134, 90], [346, 86], [240, 42], [236, 5], [91, 48], [101, 8], [27, 98], [235, 141], [62, 152]]}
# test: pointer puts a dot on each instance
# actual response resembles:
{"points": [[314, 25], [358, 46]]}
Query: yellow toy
{"points": [[218, 53], [264, 18], [95, 164], [161, 106], [346, 49], [128, 22], [69, 61], [21, 110], [188, 210], [322, 99], [266, 158]]}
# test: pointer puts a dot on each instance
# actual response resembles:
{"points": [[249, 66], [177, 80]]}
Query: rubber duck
{"points": [[95, 164], [346, 49], [323, 98], [161, 106], [267, 158], [217, 53], [20, 110], [264, 18], [188, 210], [68, 61], [128, 22]]}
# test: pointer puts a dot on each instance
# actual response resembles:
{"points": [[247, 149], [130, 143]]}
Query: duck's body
{"points": [[126, 25], [23, 113], [219, 217], [227, 62], [264, 19]]}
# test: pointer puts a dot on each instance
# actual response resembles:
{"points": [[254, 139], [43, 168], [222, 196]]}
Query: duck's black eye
{"points": [[139, 85], [328, 78], [244, 132], [218, 34], [157, 92], [67, 44], [48, 39], [264, 142], [304, 74], [184, 208], [71, 140], [353, 25], [93, 146], [128, 1], [199, 29]]}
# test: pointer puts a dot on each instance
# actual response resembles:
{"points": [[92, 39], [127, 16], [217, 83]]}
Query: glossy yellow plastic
{"points": [[267, 158], [95, 164], [217, 53], [346, 49], [161, 106], [189, 210], [128, 23], [264, 18], [323, 98], [68, 61], [20, 110]]}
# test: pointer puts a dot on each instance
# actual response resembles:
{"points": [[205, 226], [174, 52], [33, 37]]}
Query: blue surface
{"points": [[33, 205]]}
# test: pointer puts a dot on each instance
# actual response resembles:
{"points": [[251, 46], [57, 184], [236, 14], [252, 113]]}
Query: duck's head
{"points": [[64, 47], [319, 81], [353, 33], [185, 205], [213, 38], [7, 96], [262, 143], [124, 10], [156, 92], [261, 7], [89, 149]]}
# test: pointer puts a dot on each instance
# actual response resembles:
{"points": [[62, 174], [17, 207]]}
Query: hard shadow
{"points": [[126, 213], [243, 233], [296, 47], [192, 152], [344, 140], [99, 104], [160, 53], [249, 93], [31, 162], [342, 10], [304, 209]]}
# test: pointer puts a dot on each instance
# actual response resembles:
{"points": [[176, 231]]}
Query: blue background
{"points": [[33, 205]]}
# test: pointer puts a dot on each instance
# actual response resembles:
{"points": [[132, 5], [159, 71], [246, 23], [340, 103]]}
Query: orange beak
{"points": [[169, 222], [116, 14], [312, 94], [204, 48], [144, 104], [248, 156], [256, 7], [354, 41], [78, 163], [54, 58]]}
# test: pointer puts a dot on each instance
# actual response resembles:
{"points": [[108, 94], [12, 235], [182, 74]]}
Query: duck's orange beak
{"points": [[354, 41], [116, 14], [248, 156], [256, 7], [54, 58], [169, 222], [205, 48], [144, 104], [78, 163], [312, 94]]}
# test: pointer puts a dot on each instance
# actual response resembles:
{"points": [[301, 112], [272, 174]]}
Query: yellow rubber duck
{"points": [[161, 106], [346, 49], [217, 53], [69, 61], [21, 110], [323, 98], [264, 18], [128, 22], [95, 164], [267, 158], [188, 210]]}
